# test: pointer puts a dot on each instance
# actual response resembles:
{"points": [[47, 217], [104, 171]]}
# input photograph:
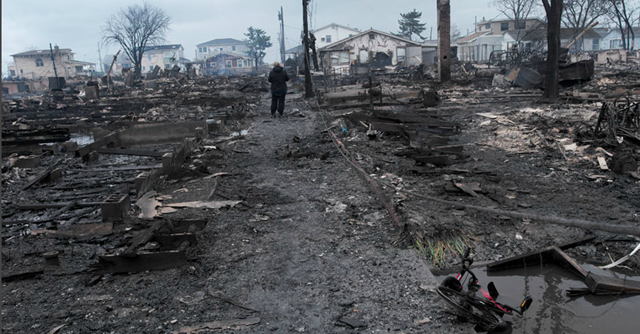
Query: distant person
{"points": [[278, 78]]}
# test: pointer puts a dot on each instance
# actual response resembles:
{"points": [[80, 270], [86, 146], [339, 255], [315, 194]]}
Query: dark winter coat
{"points": [[278, 78]]}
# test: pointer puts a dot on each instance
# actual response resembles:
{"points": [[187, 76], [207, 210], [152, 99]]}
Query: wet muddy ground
{"points": [[312, 250]]}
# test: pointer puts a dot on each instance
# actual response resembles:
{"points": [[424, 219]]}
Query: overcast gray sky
{"points": [[78, 24]]}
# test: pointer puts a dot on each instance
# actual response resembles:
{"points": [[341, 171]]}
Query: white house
{"points": [[221, 45], [332, 33], [371, 47], [613, 40]]}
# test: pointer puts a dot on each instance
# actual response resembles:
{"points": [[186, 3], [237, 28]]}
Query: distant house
{"points": [[121, 62], [221, 45], [370, 48], [332, 33], [325, 35], [165, 56], [37, 64], [227, 63], [613, 40], [498, 35], [590, 41]]}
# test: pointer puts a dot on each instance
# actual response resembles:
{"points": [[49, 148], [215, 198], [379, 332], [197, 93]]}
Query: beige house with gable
{"points": [[37, 64]]}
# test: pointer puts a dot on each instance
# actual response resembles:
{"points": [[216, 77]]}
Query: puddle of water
{"points": [[240, 133], [552, 311]]}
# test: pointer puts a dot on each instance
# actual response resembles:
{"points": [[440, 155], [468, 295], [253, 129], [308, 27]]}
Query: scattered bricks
{"points": [[32, 161], [167, 159], [54, 176], [69, 146], [114, 207], [92, 157], [139, 181], [51, 258]]}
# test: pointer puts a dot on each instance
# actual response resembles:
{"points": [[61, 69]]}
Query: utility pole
{"points": [[444, 40], [100, 58], [282, 48], [308, 88], [55, 72]]}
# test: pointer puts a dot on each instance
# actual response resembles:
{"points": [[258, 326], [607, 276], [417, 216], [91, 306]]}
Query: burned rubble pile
{"points": [[446, 142], [74, 168]]}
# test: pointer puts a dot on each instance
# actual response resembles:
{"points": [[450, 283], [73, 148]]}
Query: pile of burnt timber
{"points": [[63, 192], [427, 134]]}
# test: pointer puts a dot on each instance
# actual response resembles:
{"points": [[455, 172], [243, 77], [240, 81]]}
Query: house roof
{"points": [[506, 19], [342, 41], [527, 35], [335, 24], [222, 41], [80, 63], [39, 53], [636, 31], [163, 47], [471, 37], [570, 33], [295, 49]]}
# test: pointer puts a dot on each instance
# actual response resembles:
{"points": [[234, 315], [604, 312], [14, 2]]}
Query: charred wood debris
{"points": [[78, 161]]}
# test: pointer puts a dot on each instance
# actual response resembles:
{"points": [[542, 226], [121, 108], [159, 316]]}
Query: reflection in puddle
{"points": [[552, 311]]}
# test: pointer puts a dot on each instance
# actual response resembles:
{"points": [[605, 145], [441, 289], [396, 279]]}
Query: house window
{"points": [[328, 38], [233, 48], [149, 57], [372, 36], [487, 26], [364, 56], [126, 65], [596, 44], [350, 35], [68, 57], [221, 49], [402, 54], [203, 49], [521, 25], [144, 68], [322, 39], [615, 43], [229, 63], [504, 26], [213, 64], [13, 73], [39, 62], [239, 63], [20, 71]]}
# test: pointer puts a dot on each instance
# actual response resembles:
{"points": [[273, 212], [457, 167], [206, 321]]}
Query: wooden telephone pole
{"points": [[282, 48], [308, 86]]}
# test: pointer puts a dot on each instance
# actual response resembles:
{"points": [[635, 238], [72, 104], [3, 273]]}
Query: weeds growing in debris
{"points": [[438, 250]]}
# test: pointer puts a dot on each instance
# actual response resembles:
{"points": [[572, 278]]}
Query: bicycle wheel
{"points": [[472, 310]]}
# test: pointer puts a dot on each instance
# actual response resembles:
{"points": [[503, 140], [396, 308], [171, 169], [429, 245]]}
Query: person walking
{"points": [[278, 78]]}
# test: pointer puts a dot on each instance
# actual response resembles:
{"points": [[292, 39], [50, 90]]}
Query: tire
{"points": [[472, 310]]}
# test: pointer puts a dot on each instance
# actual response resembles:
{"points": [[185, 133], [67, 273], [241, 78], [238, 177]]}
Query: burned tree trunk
{"points": [[553, 8]]}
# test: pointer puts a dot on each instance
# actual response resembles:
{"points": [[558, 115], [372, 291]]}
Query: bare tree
{"points": [[623, 13], [553, 9], [455, 32], [579, 14], [516, 10], [135, 27]]}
